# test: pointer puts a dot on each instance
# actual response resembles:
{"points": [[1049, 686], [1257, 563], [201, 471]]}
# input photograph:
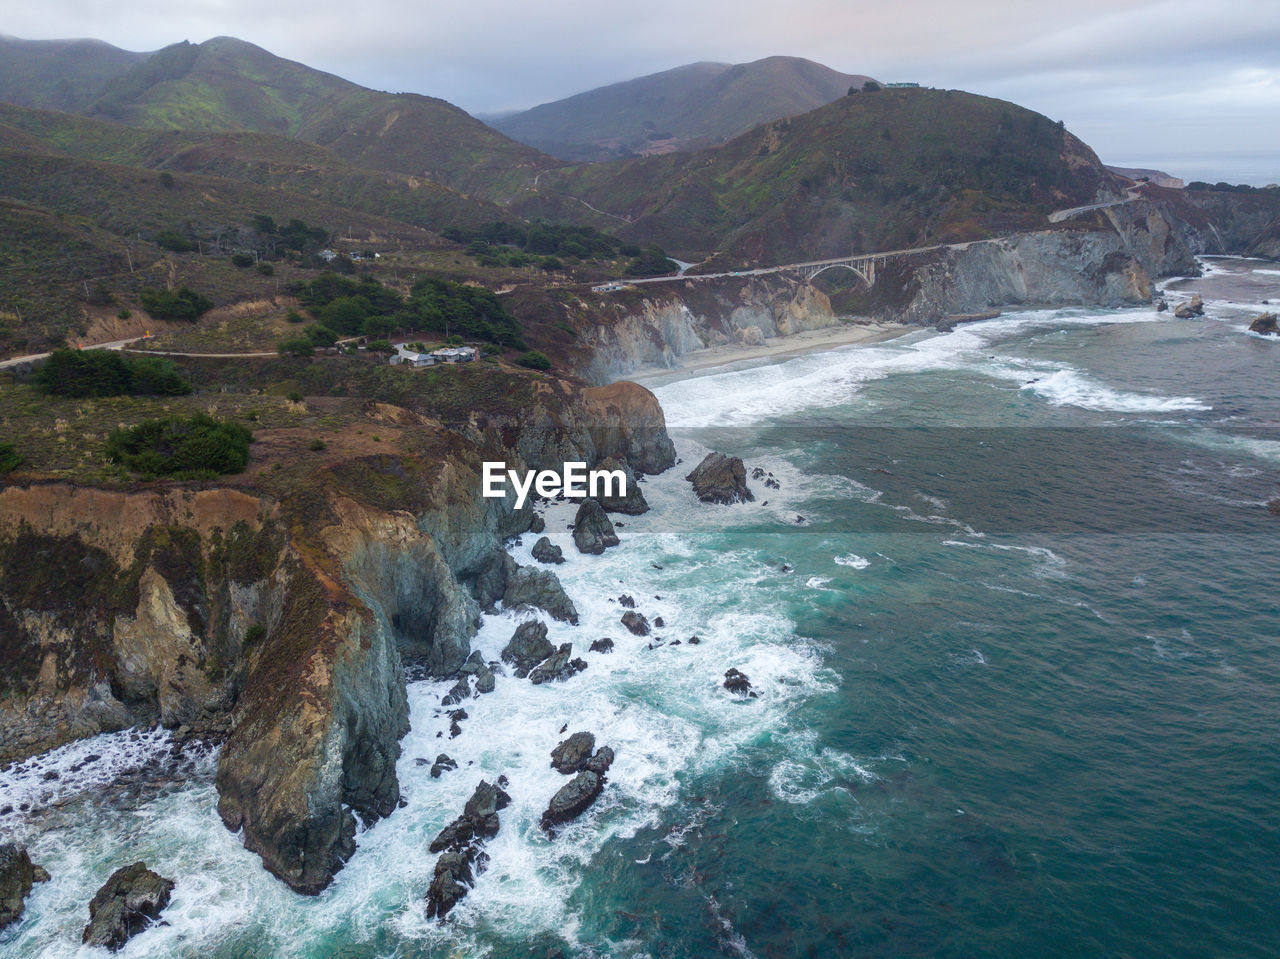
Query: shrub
{"points": [[551, 264], [86, 373], [185, 304], [123, 315], [174, 242], [293, 316], [166, 180], [10, 458], [295, 346], [294, 396], [266, 269], [534, 360], [181, 446], [241, 259], [316, 445], [320, 335]]}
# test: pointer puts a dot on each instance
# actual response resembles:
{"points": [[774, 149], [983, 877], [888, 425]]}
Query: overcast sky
{"points": [[1137, 79]]}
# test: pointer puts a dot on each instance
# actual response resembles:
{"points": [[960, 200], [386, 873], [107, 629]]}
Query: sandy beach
{"points": [[808, 341]]}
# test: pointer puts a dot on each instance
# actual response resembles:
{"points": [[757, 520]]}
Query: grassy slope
{"points": [[698, 103], [265, 160], [226, 85], [873, 171], [59, 74]]}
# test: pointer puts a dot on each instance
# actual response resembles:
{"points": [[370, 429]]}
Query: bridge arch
{"points": [[810, 274]]}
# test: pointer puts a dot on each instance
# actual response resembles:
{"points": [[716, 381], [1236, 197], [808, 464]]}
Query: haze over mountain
{"points": [[227, 85], [680, 109]]}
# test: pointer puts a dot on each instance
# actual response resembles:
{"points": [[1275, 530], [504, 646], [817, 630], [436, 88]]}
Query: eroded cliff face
{"points": [[658, 325], [283, 613]]}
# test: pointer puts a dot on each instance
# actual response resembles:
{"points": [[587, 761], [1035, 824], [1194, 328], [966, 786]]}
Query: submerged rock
{"points": [[477, 667], [592, 531], [626, 601], [632, 501], [602, 645], [17, 875], [528, 647], [1265, 324], [720, 479], [635, 622], [544, 551], [571, 755], [129, 902], [558, 667], [461, 690]]}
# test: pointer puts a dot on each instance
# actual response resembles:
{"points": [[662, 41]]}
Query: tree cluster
{"points": [[180, 446], [90, 373]]}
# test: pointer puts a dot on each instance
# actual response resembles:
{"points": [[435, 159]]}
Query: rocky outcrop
{"points": [[636, 623], [1265, 325], [720, 479], [131, 900], [737, 683], [602, 645], [592, 531], [1192, 308], [529, 588], [17, 875], [657, 327], [284, 605], [527, 647], [632, 501], [571, 755], [572, 799], [460, 842], [544, 551], [558, 667]]}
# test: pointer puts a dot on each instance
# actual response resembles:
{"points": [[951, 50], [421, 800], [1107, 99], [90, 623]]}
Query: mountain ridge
{"points": [[693, 105]]}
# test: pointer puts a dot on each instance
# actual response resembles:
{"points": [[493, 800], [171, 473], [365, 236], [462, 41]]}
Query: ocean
{"points": [[1011, 621]]}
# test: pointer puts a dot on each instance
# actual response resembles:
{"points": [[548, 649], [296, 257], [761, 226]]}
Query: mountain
{"points": [[226, 85], [872, 171], [60, 74], [680, 109]]}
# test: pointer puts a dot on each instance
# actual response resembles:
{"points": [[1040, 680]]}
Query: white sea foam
{"points": [[663, 710], [853, 561], [826, 380]]}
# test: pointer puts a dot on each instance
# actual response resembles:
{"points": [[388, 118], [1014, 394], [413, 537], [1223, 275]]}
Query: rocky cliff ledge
{"points": [[1107, 258], [276, 608]]}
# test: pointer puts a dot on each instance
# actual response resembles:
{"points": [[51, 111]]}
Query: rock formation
{"points": [[632, 502], [636, 623], [1192, 308], [127, 903], [720, 479], [544, 551], [284, 605], [592, 531], [460, 843], [1265, 324], [558, 667], [527, 647], [17, 875]]}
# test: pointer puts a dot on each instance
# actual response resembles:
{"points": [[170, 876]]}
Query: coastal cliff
{"points": [[1106, 258], [279, 608]]}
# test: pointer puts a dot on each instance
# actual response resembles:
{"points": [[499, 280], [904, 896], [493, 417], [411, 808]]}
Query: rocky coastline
{"points": [[279, 620], [1109, 257]]}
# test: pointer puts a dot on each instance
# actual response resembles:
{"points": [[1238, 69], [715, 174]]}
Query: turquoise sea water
{"points": [[1011, 619]]}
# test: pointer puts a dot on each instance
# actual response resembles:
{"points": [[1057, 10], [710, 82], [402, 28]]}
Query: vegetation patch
{"points": [[184, 447], [85, 373]]}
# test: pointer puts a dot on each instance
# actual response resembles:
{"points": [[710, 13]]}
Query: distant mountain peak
{"points": [[679, 109]]}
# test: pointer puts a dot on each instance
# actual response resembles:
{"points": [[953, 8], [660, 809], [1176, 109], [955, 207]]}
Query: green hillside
{"points": [[695, 105], [59, 74], [227, 85], [872, 171]]}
